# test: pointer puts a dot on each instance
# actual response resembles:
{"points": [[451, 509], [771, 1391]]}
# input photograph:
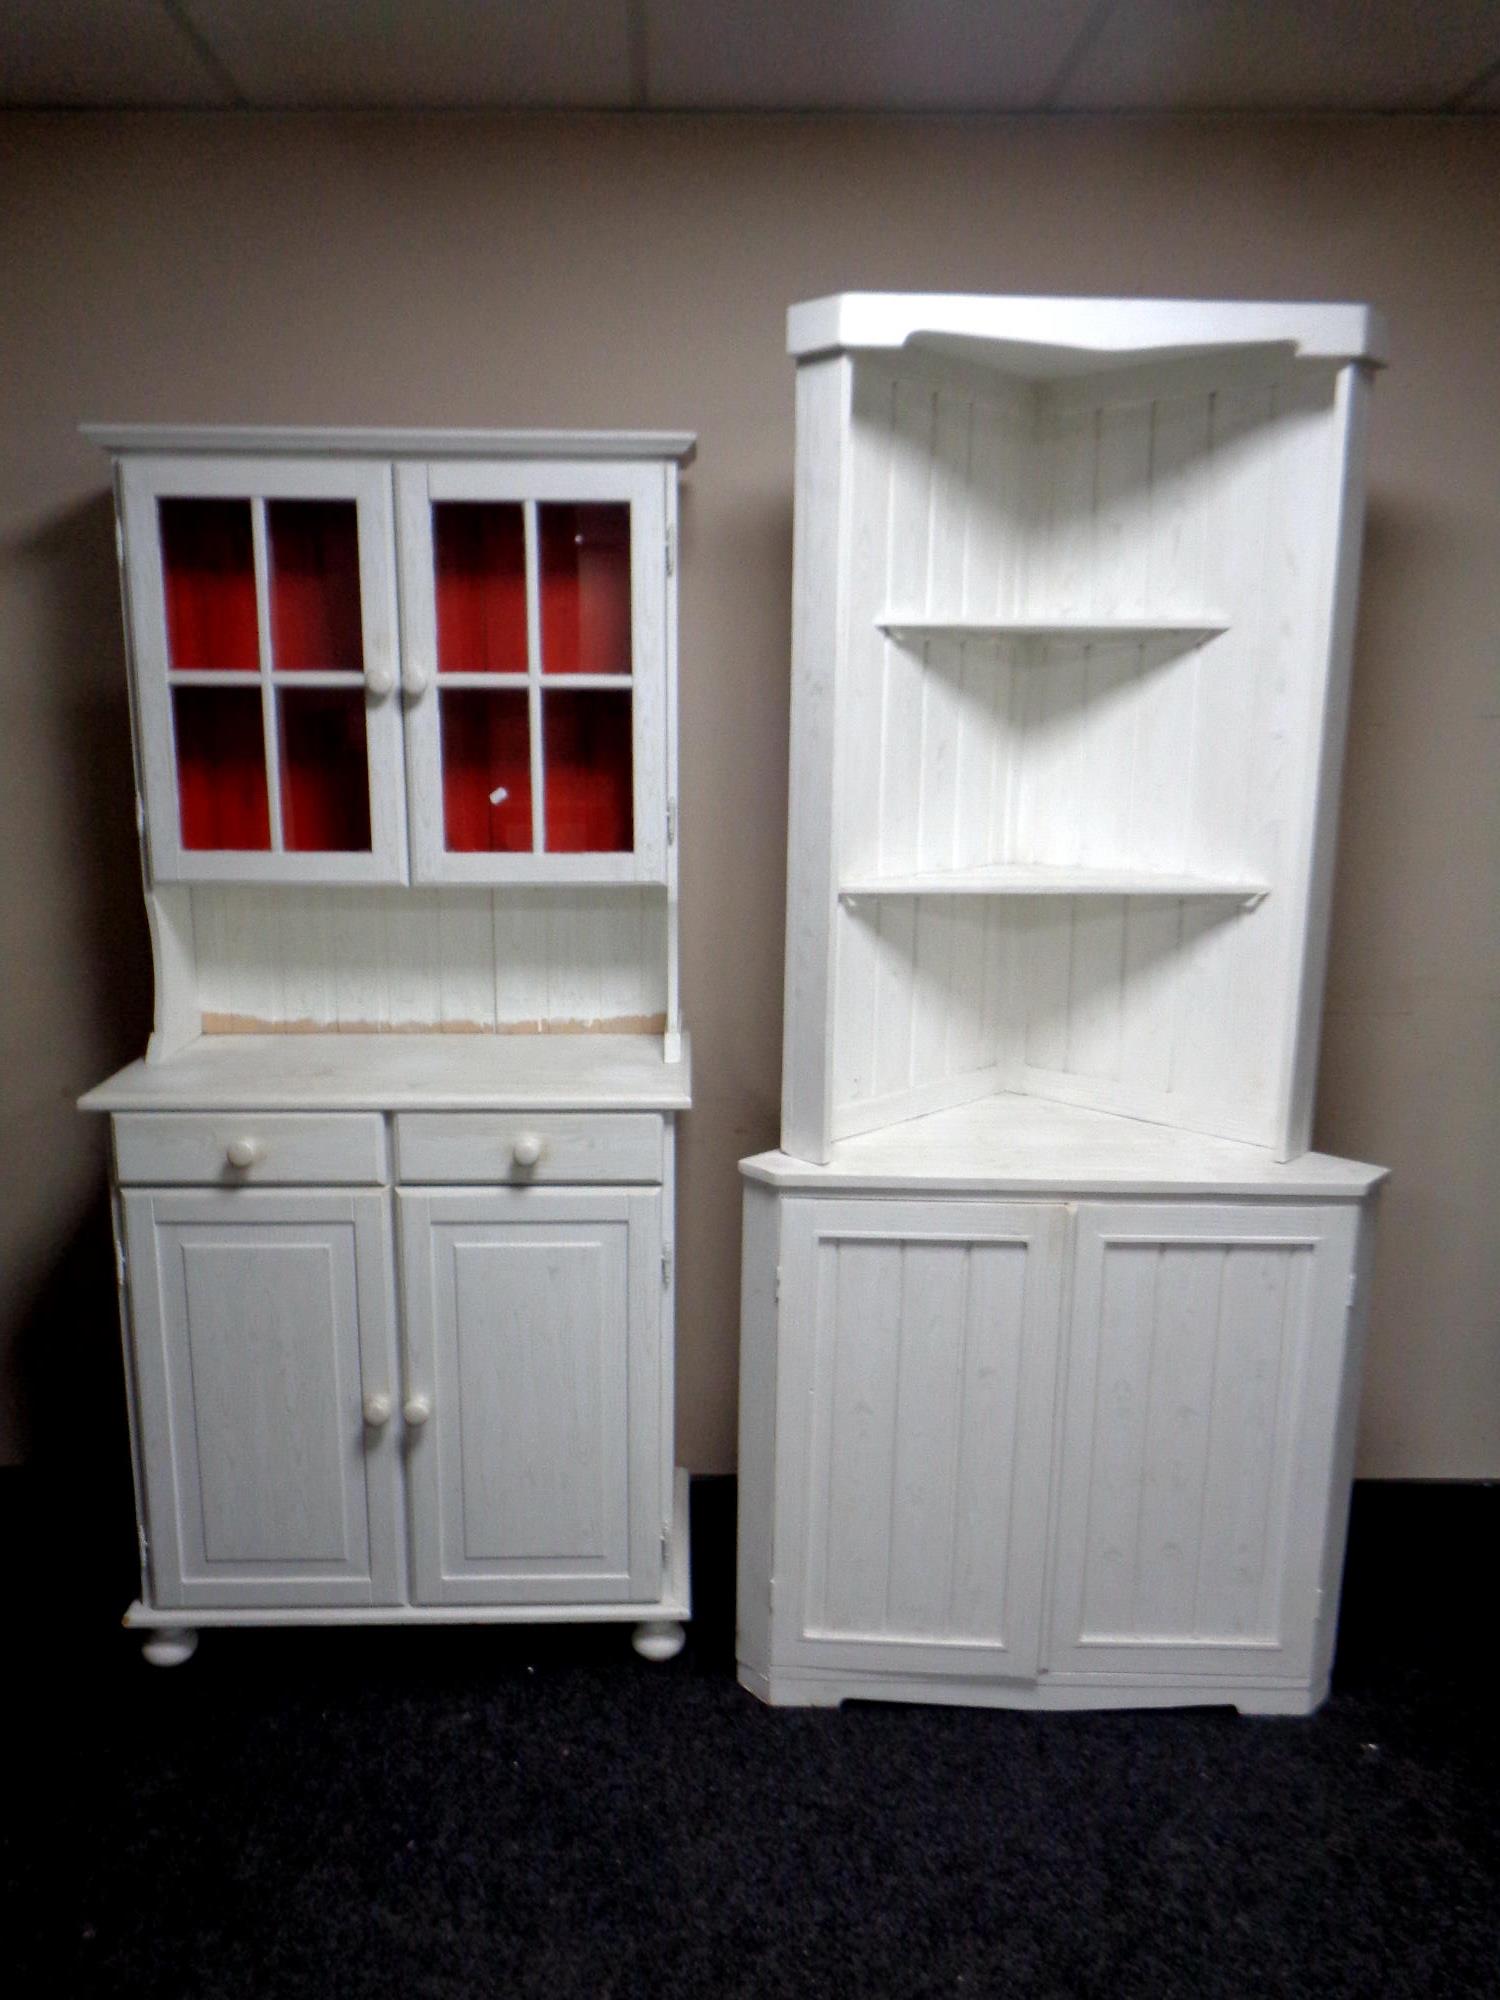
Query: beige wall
{"points": [[636, 272]]}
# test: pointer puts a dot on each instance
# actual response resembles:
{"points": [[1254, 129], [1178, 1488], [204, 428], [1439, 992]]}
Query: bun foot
{"points": [[169, 1645], [658, 1638]]}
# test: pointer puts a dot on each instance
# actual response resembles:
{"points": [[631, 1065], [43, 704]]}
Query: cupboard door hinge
{"points": [[145, 1548], [666, 1270], [140, 816], [671, 822], [120, 1265], [671, 540], [119, 543], [778, 1284]]}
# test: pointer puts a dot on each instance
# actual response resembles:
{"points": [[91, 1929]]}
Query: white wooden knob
{"points": [[244, 1152], [416, 1410], [377, 1408], [527, 1149], [380, 681], [414, 678]]}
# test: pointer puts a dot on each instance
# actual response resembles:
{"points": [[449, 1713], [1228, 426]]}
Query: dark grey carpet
{"points": [[436, 1815]]}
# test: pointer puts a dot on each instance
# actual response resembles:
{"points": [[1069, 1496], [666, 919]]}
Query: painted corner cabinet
{"points": [[1052, 1324], [394, 1181]]}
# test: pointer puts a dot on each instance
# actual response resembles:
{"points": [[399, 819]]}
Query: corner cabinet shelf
{"points": [[1043, 633], [1051, 1326], [1019, 881], [395, 1179]]}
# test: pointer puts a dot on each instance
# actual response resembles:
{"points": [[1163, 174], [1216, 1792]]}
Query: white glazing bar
{"points": [[482, 680], [261, 544], [534, 679], [317, 677], [673, 1038], [213, 677]]}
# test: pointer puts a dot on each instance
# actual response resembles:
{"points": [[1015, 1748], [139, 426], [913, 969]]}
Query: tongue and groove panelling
{"points": [[1189, 495], [365, 959]]}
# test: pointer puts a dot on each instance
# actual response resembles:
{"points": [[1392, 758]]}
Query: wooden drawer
{"points": [[521, 1148], [291, 1149]]}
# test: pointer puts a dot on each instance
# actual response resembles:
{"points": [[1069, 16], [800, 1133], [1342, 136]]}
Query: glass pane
{"points": [[208, 568], [479, 549], [486, 771], [585, 562], [221, 767], [315, 621], [325, 775], [586, 740]]}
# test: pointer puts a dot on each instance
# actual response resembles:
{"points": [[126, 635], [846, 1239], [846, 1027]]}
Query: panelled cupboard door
{"points": [[533, 1324], [918, 1354], [262, 606], [1205, 1354], [534, 646], [262, 1323]]}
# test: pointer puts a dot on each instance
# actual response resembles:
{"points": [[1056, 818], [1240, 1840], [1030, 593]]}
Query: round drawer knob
{"points": [[377, 1408], [244, 1152], [417, 1410], [381, 681], [527, 1149]]}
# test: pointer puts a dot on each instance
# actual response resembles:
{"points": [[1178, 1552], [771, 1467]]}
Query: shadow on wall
{"points": [[94, 833], [76, 1555], [75, 917], [1405, 838]]}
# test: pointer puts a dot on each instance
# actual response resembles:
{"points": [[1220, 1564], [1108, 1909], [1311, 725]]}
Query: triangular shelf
{"points": [[1012, 880]]}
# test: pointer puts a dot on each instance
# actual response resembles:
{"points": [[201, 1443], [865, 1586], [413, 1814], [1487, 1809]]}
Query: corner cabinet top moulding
{"points": [[404, 711], [1073, 610]]}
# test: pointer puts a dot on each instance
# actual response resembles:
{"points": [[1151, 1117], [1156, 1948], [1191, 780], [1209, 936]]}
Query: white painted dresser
{"points": [[394, 1180], [1052, 1324]]}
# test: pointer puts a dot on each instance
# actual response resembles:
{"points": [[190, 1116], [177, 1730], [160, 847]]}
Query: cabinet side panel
{"points": [[1327, 726], [818, 631], [759, 1457], [1341, 1473]]}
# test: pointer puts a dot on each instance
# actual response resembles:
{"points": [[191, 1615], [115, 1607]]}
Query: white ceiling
{"points": [[869, 55]]}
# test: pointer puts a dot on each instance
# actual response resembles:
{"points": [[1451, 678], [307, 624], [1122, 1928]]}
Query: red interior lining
{"points": [[221, 768], [585, 573], [315, 607], [486, 743], [589, 805], [479, 551], [325, 784], [208, 570]]}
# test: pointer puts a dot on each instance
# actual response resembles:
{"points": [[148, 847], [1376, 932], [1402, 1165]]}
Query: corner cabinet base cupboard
{"points": [[394, 1180], [1051, 1320], [1036, 1449]]}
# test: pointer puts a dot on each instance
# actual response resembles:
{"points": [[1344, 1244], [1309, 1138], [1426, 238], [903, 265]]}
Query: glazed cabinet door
{"points": [[534, 649], [1205, 1356], [918, 1351], [533, 1322], [262, 608], [265, 1370]]}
